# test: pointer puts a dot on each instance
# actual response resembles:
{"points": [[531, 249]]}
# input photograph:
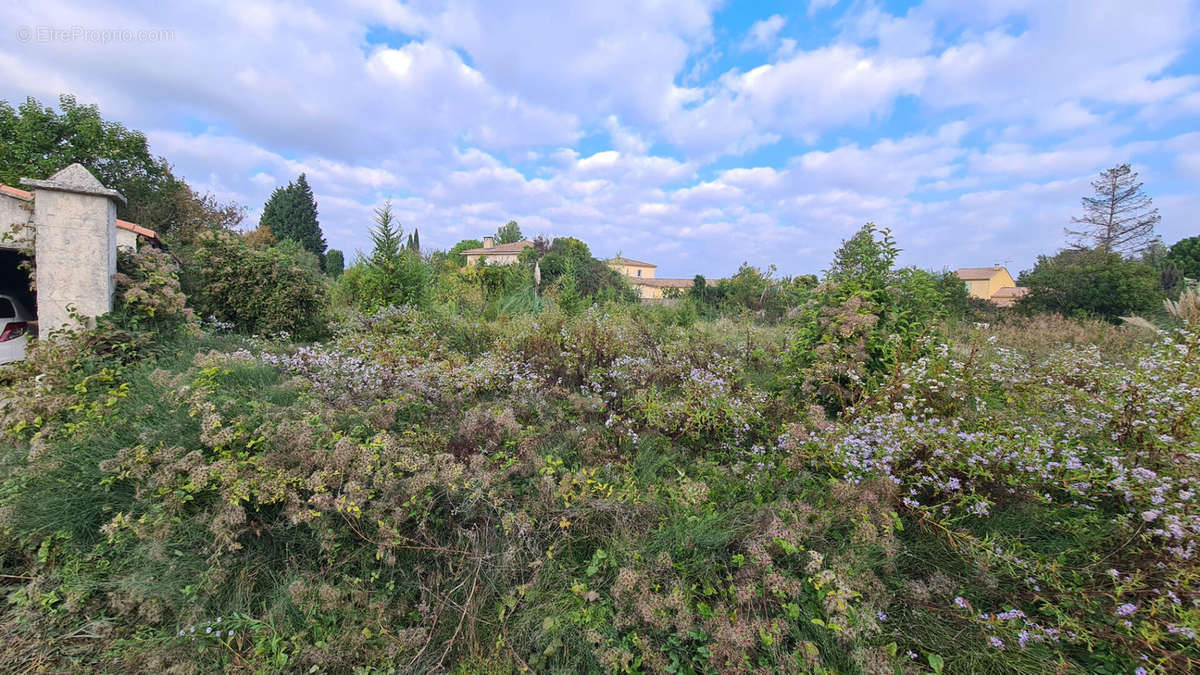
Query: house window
{"points": [[639, 273]]}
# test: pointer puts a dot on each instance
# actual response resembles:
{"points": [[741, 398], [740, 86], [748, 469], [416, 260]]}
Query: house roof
{"points": [[1011, 292], [978, 273], [123, 224], [515, 247], [667, 283], [630, 262]]}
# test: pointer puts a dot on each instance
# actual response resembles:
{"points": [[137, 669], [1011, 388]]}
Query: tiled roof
{"points": [[123, 224], [1011, 292], [630, 262], [978, 273], [15, 192], [515, 247], [145, 232], [667, 283]]}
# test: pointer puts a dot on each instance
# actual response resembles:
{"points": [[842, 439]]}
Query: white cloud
{"points": [[764, 34], [614, 121]]}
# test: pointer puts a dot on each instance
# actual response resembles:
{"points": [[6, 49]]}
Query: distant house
{"points": [[991, 283], [641, 276], [503, 254], [633, 268]]}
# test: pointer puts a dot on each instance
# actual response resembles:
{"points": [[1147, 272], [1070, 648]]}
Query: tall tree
{"points": [[1120, 218], [386, 235], [279, 209], [509, 233], [414, 241], [36, 141], [291, 213], [335, 263]]}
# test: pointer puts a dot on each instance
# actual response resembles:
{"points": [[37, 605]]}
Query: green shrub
{"points": [[371, 285], [148, 295], [335, 263], [1087, 283], [262, 292], [1184, 259], [863, 320]]}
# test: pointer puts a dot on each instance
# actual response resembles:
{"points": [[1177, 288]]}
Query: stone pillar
{"points": [[75, 225]]}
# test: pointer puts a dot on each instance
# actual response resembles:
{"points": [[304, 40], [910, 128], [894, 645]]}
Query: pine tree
{"points": [[414, 241], [386, 235], [277, 211], [1120, 218], [291, 213]]}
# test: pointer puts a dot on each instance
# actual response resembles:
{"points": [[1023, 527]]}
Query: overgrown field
{"points": [[610, 492]]}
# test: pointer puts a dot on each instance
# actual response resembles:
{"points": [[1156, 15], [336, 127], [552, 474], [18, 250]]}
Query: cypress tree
{"points": [[291, 213]]}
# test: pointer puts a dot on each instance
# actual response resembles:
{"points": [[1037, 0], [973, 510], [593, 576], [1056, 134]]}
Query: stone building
{"points": [[496, 254], [69, 224]]}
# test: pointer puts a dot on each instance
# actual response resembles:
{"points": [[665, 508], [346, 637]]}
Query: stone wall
{"points": [[16, 216]]}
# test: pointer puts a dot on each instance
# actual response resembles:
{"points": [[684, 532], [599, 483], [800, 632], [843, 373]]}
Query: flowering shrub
{"points": [[1101, 457]]}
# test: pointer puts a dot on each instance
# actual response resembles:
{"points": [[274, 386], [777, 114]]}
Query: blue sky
{"points": [[693, 134]]}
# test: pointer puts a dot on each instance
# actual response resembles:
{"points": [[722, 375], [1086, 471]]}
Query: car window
{"points": [[7, 311]]}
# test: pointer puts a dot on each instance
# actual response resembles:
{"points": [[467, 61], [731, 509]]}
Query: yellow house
{"points": [[635, 269], [503, 254], [991, 283], [641, 277]]}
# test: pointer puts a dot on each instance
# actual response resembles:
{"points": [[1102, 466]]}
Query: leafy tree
{"points": [[456, 255], [1184, 255], [701, 292], [291, 213], [37, 141], [1120, 218], [567, 255], [335, 263], [1090, 283], [260, 237], [386, 235], [509, 233]]}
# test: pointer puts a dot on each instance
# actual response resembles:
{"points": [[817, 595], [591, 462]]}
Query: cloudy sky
{"points": [[689, 133]]}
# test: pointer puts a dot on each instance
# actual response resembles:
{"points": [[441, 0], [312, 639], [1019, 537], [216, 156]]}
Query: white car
{"points": [[16, 324]]}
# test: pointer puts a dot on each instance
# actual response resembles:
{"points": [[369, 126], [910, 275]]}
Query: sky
{"points": [[693, 134]]}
